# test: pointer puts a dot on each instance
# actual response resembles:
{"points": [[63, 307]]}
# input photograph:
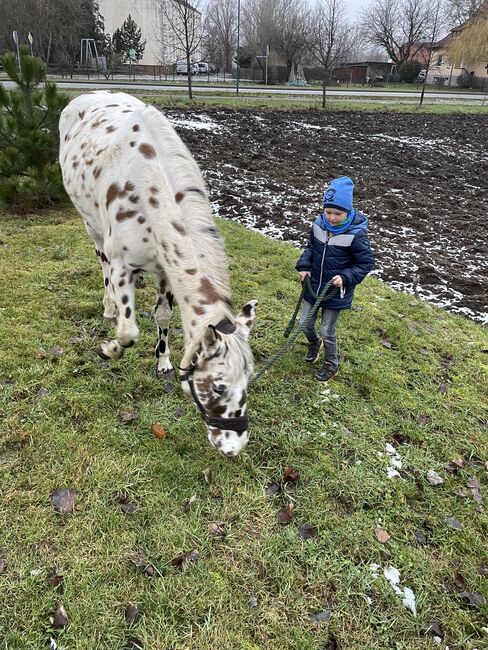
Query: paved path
{"points": [[357, 93]]}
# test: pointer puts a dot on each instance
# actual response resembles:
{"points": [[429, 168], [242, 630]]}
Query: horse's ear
{"points": [[245, 318]]}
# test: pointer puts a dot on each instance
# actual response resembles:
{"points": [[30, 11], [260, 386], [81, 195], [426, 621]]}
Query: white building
{"points": [[156, 18]]}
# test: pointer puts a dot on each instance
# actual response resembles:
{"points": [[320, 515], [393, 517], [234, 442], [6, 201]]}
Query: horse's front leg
{"points": [[162, 315], [109, 305], [123, 282]]}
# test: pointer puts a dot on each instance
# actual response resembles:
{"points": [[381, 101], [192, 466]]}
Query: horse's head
{"points": [[217, 380]]}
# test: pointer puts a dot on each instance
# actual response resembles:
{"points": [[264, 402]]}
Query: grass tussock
{"points": [[412, 376]]}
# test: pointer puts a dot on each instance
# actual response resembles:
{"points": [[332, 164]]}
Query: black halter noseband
{"points": [[239, 425]]}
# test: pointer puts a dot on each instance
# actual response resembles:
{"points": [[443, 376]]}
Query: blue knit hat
{"points": [[339, 194]]}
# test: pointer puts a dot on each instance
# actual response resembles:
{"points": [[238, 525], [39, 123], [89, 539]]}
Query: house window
{"points": [[439, 60]]}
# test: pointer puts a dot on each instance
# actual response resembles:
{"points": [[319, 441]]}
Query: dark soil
{"points": [[421, 179]]}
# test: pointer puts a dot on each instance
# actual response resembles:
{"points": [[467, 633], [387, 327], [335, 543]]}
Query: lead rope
{"points": [[323, 295]]}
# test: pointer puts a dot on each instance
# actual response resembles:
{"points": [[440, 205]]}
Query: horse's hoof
{"points": [[165, 375], [140, 282], [110, 319]]}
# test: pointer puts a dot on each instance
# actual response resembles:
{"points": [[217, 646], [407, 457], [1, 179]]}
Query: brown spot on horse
{"points": [[147, 150]]}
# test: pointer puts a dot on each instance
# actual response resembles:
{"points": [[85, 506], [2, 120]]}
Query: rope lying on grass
{"points": [[319, 298]]}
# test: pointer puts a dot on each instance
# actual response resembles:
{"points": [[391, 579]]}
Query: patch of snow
{"points": [[392, 575], [204, 123]]}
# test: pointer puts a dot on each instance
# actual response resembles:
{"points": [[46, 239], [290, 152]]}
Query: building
{"points": [[155, 18], [370, 72], [444, 72]]}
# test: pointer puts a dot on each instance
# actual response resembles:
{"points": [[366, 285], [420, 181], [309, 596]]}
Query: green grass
{"points": [[179, 99], [60, 427]]}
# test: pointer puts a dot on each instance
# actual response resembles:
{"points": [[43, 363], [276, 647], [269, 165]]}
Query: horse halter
{"points": [[239, 425]]}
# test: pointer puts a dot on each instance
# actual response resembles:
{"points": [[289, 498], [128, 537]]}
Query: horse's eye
{"points": [[220, 390]]}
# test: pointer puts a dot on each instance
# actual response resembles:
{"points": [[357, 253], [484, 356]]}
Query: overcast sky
{"points": [[355, 7]]}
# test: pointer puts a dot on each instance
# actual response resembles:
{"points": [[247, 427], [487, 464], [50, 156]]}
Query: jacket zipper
{"points": [[323, 257]]}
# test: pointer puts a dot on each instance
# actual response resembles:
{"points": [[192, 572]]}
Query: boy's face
{"points": [[334, 216]]}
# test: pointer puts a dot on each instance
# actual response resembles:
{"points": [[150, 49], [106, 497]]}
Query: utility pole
{"points": [[238, 45]]}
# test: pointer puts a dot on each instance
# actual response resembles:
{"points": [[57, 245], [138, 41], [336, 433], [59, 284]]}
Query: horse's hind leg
{"points": [[162, 315], [122, 280]]}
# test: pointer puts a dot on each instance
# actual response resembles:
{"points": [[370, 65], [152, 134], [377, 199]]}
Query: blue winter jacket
{"points": [[348, 255]]}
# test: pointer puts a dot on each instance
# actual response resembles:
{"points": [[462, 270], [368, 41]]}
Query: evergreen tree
{"points": [[128, 37], [409, 71], [30, 176]]}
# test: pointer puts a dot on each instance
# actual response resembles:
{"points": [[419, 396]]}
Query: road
{"points": [[356, 93]]}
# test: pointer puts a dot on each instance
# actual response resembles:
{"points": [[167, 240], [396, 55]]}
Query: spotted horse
{"points": [[145, 205]]}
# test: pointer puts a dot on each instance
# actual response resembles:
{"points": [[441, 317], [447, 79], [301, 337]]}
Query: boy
{"points": [[338, 249]]}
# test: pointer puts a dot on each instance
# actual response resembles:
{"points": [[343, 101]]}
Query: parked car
{"points": [[181, 68], [212, 68], [203, 68], [421, 76]]}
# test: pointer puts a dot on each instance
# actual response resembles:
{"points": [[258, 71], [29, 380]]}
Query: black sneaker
{"points": [[326, 372], [313, 351]]}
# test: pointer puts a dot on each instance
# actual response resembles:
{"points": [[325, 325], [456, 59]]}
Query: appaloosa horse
{"points": [[144, 203]]}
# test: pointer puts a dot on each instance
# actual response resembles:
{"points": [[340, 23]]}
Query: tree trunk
{"points": [[48, 56], [324, 88]]}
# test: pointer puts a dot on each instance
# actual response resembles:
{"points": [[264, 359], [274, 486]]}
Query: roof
{"points": [[187, 5], [362, 63]]}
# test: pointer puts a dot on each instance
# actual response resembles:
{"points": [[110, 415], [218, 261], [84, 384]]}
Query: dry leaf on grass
{"points": [[141, 562], [217, 528], [453, 523], [421, 537], [285, 514], [189, 503], [291, 475], [433, 627], [381, 535], [434, 478], [126, 505], [183, 561], [133, 643], [207, 475], [273, 488], [158, 431], [472, 598], [132, 613], [3, 564], [63, 500], [307, 531], [128, 416], [60, 617], [54, 580]]}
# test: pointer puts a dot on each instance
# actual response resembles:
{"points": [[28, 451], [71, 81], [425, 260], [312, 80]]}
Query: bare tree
{"points": [[181, 27], [56, 26], [220, 32], [291, 39], [459, 11], [436, 26], [400, 26], [329, 42], [259, 23]]}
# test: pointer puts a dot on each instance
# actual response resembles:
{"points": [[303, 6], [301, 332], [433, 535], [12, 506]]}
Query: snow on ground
{"points": [[420, 179]]}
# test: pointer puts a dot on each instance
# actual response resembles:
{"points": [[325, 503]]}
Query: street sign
{"points": [[132, 54]]}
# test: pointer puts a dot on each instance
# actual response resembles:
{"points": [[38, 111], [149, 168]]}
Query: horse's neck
{"points": [[200, 281]]}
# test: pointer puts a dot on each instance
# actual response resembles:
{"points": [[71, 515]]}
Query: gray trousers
{"points": [[327, 331]]}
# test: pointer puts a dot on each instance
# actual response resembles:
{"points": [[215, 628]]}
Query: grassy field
{"points": [[179, 99], [410, 391]]}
